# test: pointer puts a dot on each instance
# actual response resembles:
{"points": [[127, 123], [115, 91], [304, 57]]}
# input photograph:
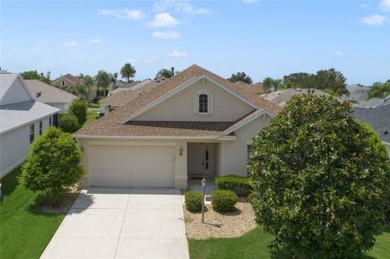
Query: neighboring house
{"points": [[373, 102], [110, 103], [357, 93], [195, 124], [281, 97], [50, 95], [379, 119], [22, 119], [66, 81]]}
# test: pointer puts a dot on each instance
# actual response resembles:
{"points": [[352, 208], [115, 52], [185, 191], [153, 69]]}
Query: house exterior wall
{"points": [[180, 163], [181, 107], [232, 157], [62, 106], [17, 93], [14, 145], [58, 83]]}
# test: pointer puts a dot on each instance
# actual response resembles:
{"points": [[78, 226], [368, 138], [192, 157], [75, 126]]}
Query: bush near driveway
{"points": [[224, 201], [79, 109], [237, 184], [52, 163], [68, 123], [193, 201]]}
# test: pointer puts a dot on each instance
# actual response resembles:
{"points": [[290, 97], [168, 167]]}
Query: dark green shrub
{"points": [[193, 201], [224, 201], [68, 123], [79, 109], [238, 184]]}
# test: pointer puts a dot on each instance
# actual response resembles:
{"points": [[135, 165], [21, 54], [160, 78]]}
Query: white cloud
{"points": [[95, 41], [123, 14], [374, 19], [178, 6], [250, 1], [177, 54], [164, 20], [70, 44], [339, 53], [365, 5], [385, 5], [168, 35]]}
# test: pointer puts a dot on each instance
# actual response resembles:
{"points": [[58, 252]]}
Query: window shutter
{"points": [[211, 103], [195, 103]]}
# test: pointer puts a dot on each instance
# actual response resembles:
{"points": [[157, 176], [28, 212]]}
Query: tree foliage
{"points": [[270, 84], [79, 109], [87, 83], [68, 123], [128, 71], [329, 80], [240, 76], [321, 179], [379, 90], [103, 80], [33, 74], [163, 73], [52, 163]]}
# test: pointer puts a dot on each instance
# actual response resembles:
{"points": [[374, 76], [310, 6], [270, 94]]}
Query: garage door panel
{"points": [[138, 166]]}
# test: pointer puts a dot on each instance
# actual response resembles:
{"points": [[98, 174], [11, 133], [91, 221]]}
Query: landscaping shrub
{"points": [[238, 184], [193, 201], [68, 123], [79, 109], [224, 201]]}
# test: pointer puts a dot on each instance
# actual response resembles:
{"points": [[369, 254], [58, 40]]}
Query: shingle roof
{"points": [[112, 123], [378, 118], [70, 78], [282, 97], [49, 94]]}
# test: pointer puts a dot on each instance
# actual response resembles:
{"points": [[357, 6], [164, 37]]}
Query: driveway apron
{"points": [[122, 223]]}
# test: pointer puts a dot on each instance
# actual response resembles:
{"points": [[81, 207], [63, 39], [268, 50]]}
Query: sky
{"points": [[261, 38]]}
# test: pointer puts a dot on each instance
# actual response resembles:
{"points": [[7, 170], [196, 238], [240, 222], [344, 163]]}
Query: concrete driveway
{"points": [[122, 223]]}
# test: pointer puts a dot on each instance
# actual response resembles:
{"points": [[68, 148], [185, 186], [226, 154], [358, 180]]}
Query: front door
{"points": [[201, 159]]}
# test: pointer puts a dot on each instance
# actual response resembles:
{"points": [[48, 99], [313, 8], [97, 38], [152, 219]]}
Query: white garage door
{"points": [[137, 166]]}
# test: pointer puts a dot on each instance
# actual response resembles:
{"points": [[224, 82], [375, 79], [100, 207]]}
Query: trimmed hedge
{"points": [[238, 184], [224, 201], [193, 201], [68, 123]]}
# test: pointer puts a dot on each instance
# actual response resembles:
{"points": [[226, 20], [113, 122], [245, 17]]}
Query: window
{"points": [[203, 103], [31, 133], [62, 82], [40, 127], [50, 122]]}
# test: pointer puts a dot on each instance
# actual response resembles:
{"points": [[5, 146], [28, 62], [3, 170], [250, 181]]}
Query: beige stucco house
{"points": [[192, 125]]}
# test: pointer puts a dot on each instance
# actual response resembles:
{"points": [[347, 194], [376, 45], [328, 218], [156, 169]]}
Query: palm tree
{"points": [[87, 84], [103, 81], [3, 71], [128, 71]]}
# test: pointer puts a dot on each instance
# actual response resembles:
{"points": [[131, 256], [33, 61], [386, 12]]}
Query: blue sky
{"points": [[261, 38]]}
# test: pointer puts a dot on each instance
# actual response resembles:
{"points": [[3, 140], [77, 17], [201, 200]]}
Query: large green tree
{"points": [[87, 83], [379, 90], [321, 179], [52, 163], [240, 76], [79, 108], [128, 71]]}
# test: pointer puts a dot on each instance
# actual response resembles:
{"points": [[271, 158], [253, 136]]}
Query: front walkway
{"points": [[122, 223]]}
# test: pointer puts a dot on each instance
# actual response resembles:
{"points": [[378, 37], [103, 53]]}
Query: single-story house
{"points": [[50, 95], [195, 124], [22, 120]]}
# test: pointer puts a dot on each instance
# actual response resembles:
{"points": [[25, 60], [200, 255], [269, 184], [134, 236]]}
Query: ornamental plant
{"points": [[52, 163], [321, 179]]}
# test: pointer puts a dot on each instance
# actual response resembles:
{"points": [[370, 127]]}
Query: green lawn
{"points": [[91, 117], [23, 232], [253, 245], [94, 105]]}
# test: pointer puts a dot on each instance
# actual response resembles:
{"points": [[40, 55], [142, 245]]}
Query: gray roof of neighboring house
{"points": [[281, 98], [19, 114], [378, 118], [141, 84], [49, 94], [357, 92]]}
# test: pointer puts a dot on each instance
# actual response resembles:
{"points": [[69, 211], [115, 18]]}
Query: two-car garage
{"points": [[131, 166]]}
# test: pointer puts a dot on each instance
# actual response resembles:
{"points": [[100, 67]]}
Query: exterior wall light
{"points": [[181, 151]]}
